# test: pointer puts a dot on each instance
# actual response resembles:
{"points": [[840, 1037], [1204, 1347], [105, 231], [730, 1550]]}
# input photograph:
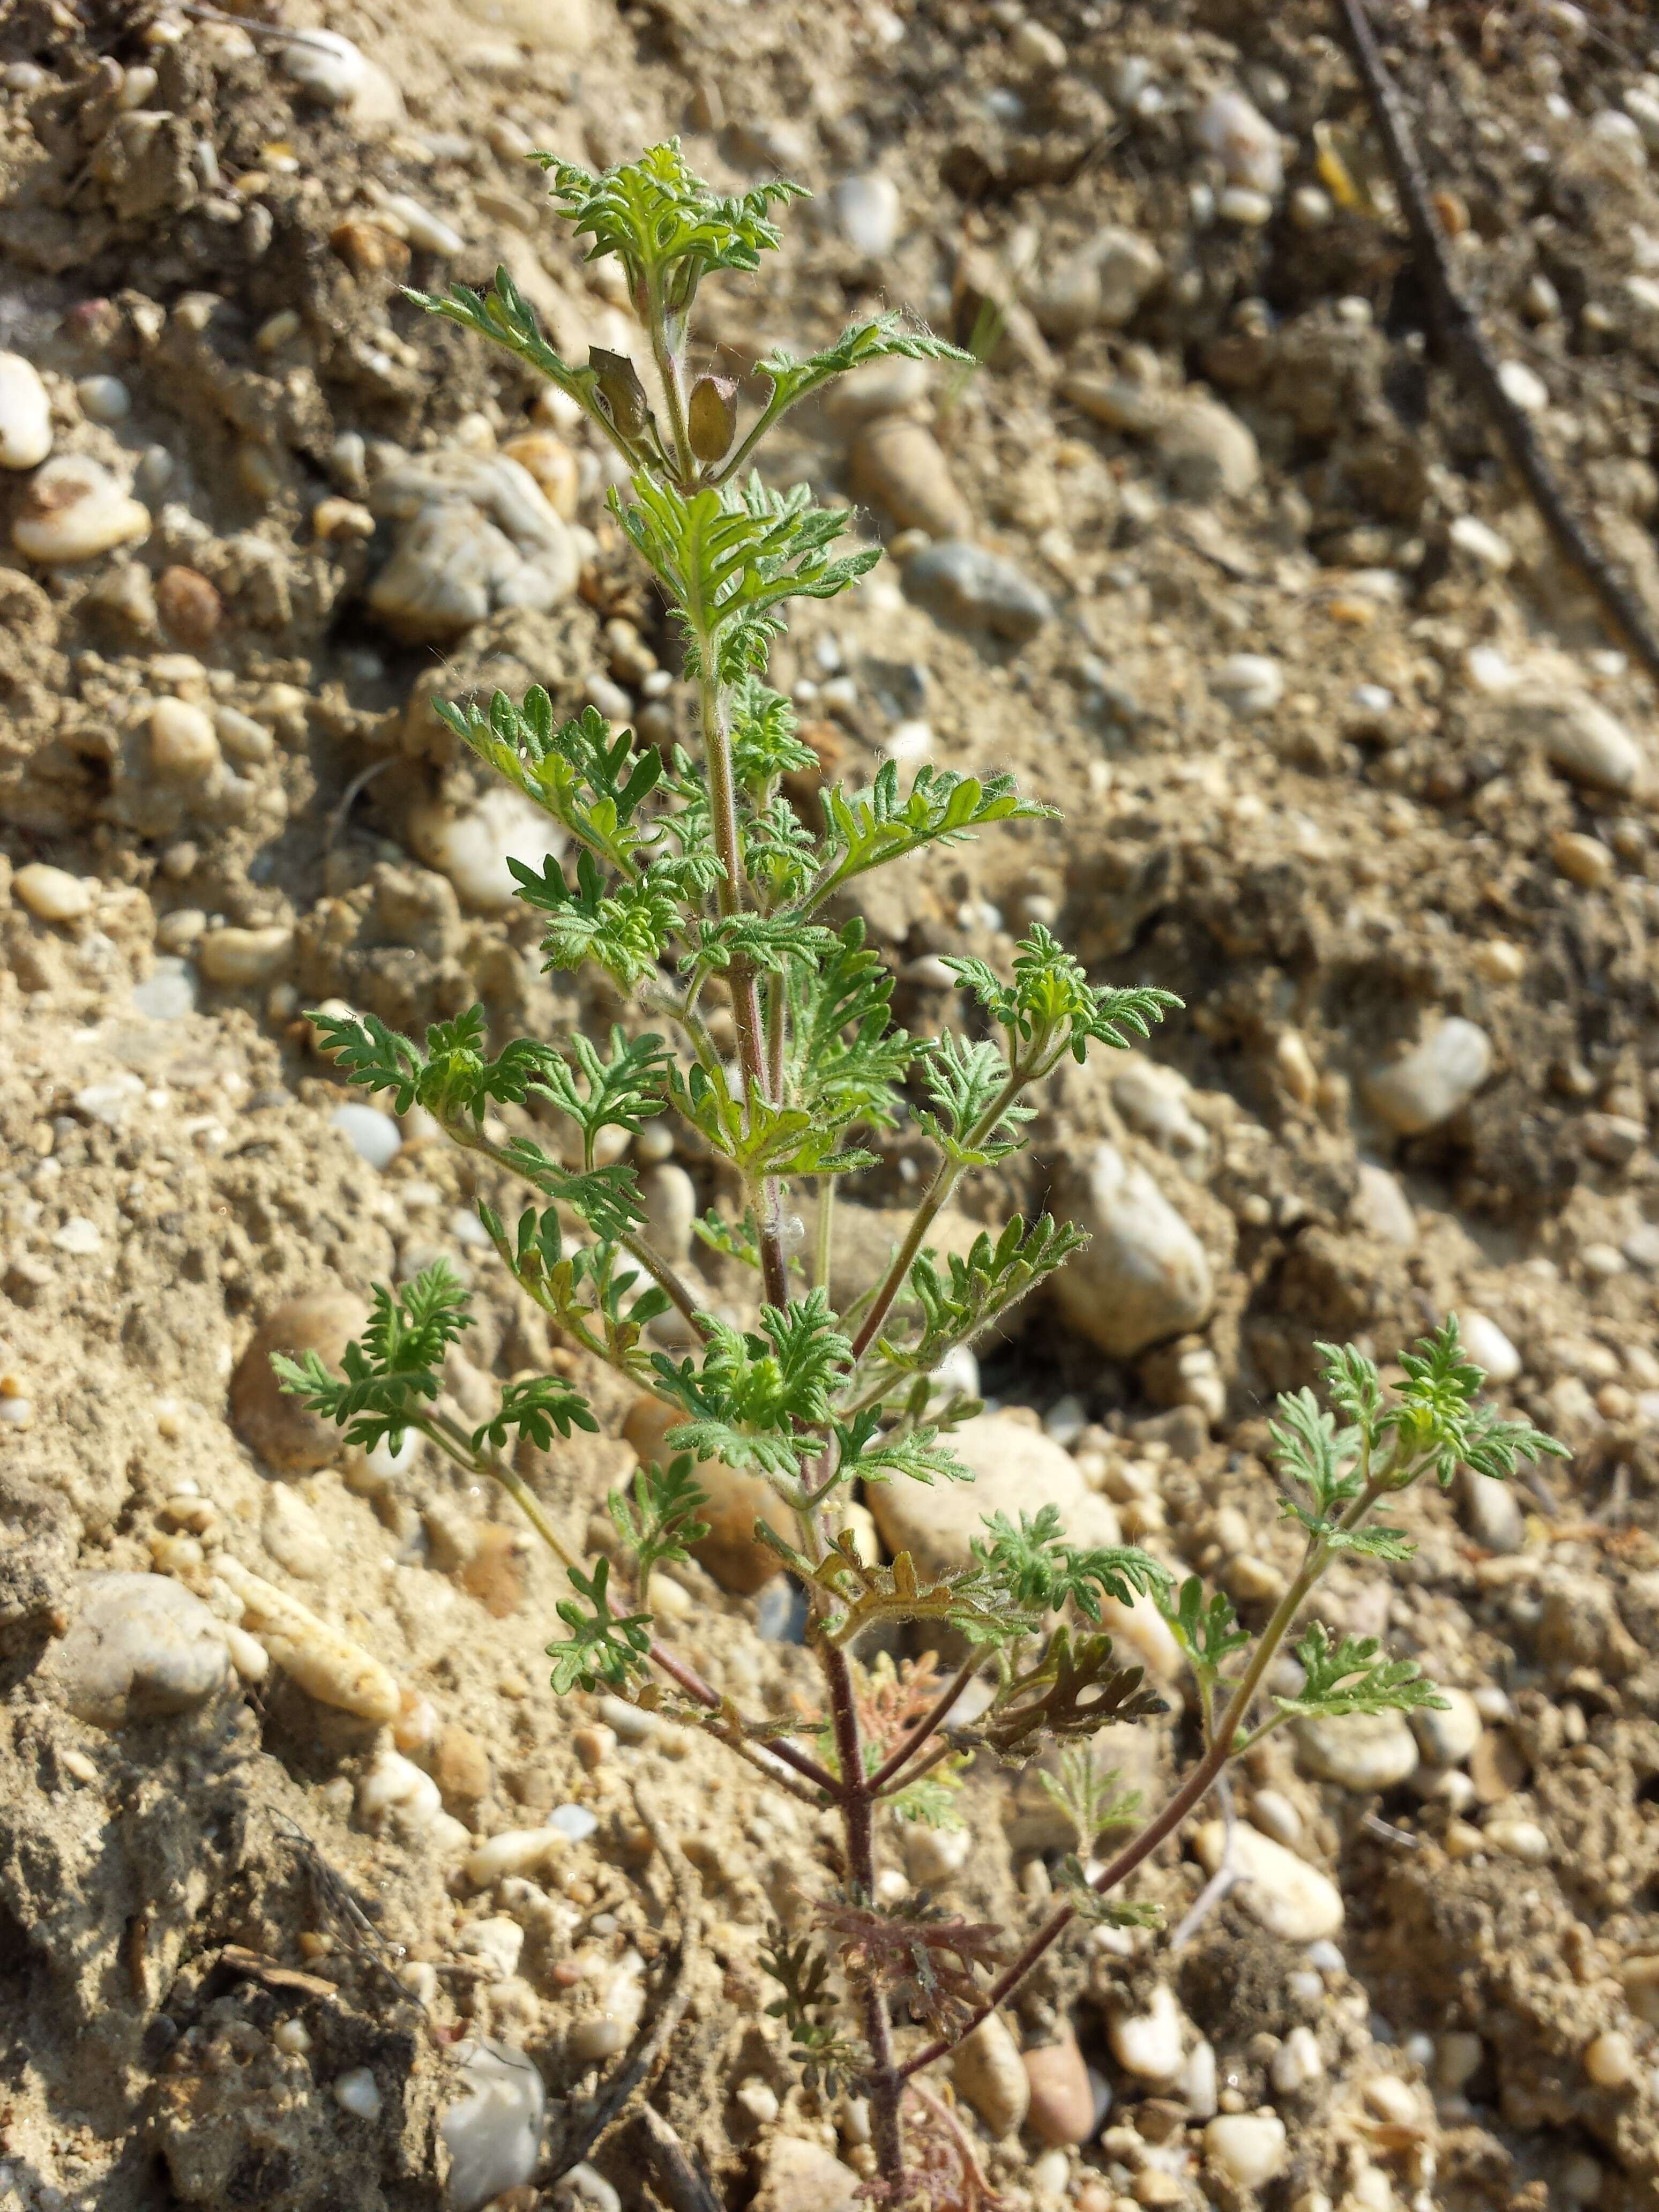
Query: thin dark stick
{"points": [[884, 2078], [676, 2179], [637, 2072], [1472, 356], [693, 1685]]}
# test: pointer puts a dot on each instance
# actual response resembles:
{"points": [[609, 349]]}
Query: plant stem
{"points": [[1191, 1793], [886, 2082], [825, 1234], [946, 1177], [745, 999], [932, 1721]]}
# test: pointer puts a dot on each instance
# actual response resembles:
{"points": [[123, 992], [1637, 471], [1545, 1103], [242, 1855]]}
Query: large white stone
{"points": [[473, 846], [1143, 1276], [25, 414], [1017, 1470], [475, 533], [494, 2131], [73, 510], [1279, 1891], [1362, 1751], [1578, 736], [141, 1647], [1434, 1080]]}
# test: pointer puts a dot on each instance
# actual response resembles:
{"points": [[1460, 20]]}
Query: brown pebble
{"points": [[1062, 2102], [368, 250], [460, 1767], [495, 1573], [1498, 1766], [553, 466], [190, 608], [276, 1427]]}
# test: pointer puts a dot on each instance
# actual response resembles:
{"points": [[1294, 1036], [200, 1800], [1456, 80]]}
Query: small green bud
{"points": [[712, 418], [621, 390]]}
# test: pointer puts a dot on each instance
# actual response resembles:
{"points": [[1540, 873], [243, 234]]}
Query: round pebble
{"points": [[277, 1428], [1610, 2060], [52, 894], [73, 510], [1248, 2148], [374, 1136], [184, 746], [141, 1648], [238, 958], [358, 2094], [25, 414], [104, 399]]}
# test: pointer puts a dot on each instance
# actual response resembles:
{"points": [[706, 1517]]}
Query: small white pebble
{"points": [[372, 1135], [104, 399], [52, 894], [78, 1237], [1610, 2060], [359, 2093], [294, 2037]]}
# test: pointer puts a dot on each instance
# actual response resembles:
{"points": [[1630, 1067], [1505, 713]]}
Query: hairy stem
{"points": [[745, 998], [930, 1723], [946, 1177], [885, 2081]]}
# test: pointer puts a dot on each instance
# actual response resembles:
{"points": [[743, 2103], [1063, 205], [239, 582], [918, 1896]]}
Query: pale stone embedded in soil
{"points": [[1209, 453], [803, 2177], [1434, 1080], [1281, 1892], [987, 2072], [966, 583], [866, 209], [1381, 1206], [294, 1534], [1358, 1751], [1447, 1737], [1488, 1347], [239, 958], [141, 1648], [475, 534], [325, 1662], [52, 894], [25, 414], [1062, 2103], [1017, 1469], [472, 847], [1147, 2043], [273, 1424], [73, 510], [1143, 1276], [1243, 140], [493, 2132], [900, 465], [1248, 2147]]}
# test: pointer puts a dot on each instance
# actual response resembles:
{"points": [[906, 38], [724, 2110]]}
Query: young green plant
{"points": [[688, 881]]}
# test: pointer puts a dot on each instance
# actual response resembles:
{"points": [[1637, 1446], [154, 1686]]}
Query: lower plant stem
{"points": [[945, 1178], [886, 2082], [1192, 1792]]}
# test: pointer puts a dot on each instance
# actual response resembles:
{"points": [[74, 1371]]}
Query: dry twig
{"points": [[635, 2075], [1473, 357]]}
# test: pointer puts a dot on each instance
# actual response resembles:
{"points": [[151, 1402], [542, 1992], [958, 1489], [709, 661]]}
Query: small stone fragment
{"points": [[1144, 1275], [1434, 1080], [73, 510], [1610, 2060], [866, 211], [1584, 859], [493, 2132], [1209, 453], [52, 894], [374, 1136], [804, 2177], [1249, 683], [25, 414], [1488, 1347], [394, 1790], [963, 583], [987, 2072], [190, 608], [1062, 2102], [239, 958], [553, 466], [1382, 1207], [1147, 2043], [184, 745], [515, 1850], [460, 1767], [1283, 1892], [473, 848], [1243, 141], [1248, 2147], [358, 2094], [141, 1647], [1447, 1737], [325, 1663], [293, 1535], [899, 465], [476, 534], [1363, 1752], [274, 1425]]}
